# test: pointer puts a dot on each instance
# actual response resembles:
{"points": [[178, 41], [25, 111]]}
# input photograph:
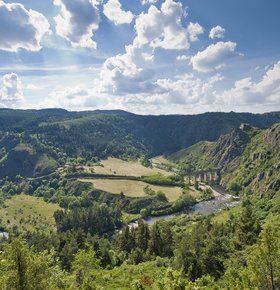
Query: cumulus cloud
{"points": [[21, 28], [163, 28], [217, 32], [77, 21], [132, 72], [77, 97], [11, 89], [194, 30], [128, 72], [248, 91], [214, 56], [188, 89], [113, 11]]}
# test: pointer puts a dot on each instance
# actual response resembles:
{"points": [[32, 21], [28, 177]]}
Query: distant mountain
{"points": [[117, 133]]}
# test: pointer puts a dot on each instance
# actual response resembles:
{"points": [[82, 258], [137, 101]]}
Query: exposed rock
{"points": [[228, 148], [245, 127], [272, 137], [274, 185], [269, 173], [260, 177]]}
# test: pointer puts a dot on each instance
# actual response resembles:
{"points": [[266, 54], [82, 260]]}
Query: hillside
{"points": [[247, 157], [258, 168], [195, 157], [25, 155], [111, 133]]}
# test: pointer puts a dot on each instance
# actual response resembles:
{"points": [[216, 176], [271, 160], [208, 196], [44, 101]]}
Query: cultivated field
{"points": [[133, 188], [28, 213], [126, 168]]}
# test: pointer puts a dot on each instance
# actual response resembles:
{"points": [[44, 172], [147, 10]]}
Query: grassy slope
{"points": [[129, 168], [28, 213], [195, 156], [133, 188]]}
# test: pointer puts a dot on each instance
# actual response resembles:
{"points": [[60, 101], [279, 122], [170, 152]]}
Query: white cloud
{"points": [[21, 28], [144, 2], [247, 91], [128, 73], [77, 21], [214, 56], [79, 97], [11, 89], [32, 87], [217, 32], [183, 58], [188, 89], [194, 30], [133, 71], [163, 28], [113, 11]]}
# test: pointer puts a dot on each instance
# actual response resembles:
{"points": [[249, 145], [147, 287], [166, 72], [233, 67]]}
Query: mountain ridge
{"points": [[117, 133]]}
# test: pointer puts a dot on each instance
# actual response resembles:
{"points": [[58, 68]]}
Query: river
{"points": [[221, 201]]}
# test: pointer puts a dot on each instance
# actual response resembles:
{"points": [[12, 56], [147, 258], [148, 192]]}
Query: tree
{"points": [[127, 239], [264, 260], [142, 235], [248, 226], [156, 243], [22, 269], [84, 268]]}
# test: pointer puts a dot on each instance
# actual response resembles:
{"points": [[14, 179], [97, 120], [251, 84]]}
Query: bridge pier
{"points": [[211, 175], [201, 177]]}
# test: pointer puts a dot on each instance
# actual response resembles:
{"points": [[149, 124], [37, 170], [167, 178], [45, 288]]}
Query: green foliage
{"points": [[84, 269], [144, 160], [94, 220], [21, 268], [248, 225], [224, 252], [159, 179], [193, 158], [60, 134], [207, 194]]}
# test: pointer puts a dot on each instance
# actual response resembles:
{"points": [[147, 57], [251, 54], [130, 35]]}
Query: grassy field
{"points": [[133, 188], [28, 213], [128, 168]]}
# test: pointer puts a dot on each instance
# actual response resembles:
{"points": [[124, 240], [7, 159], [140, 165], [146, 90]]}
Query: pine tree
{"points": [[248, 226]]}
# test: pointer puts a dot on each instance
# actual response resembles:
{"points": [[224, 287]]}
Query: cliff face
{"points": [[272, 137], [258, 168], [228, 149], [248, 159]]}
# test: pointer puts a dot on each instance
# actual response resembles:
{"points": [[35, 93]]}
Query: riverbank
{"points": [[222, 200]]}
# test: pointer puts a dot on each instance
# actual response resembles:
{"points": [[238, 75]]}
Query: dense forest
{"points": [[97, 239]]}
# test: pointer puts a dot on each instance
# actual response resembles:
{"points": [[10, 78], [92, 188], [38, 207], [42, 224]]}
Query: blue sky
{"points": [[144, 56]]}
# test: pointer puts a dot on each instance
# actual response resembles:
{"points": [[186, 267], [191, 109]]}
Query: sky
{"points": [[142, 56]]}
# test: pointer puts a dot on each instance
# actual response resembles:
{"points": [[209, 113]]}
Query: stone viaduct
{"points": [[207, 176]]}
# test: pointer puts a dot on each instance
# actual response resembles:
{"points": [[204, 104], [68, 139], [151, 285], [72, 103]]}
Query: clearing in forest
{"points": [[133, 188], [28, 213], [126, 168]]}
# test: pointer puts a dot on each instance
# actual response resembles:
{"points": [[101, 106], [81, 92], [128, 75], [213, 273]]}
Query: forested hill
{"points": [[119, 133]]}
